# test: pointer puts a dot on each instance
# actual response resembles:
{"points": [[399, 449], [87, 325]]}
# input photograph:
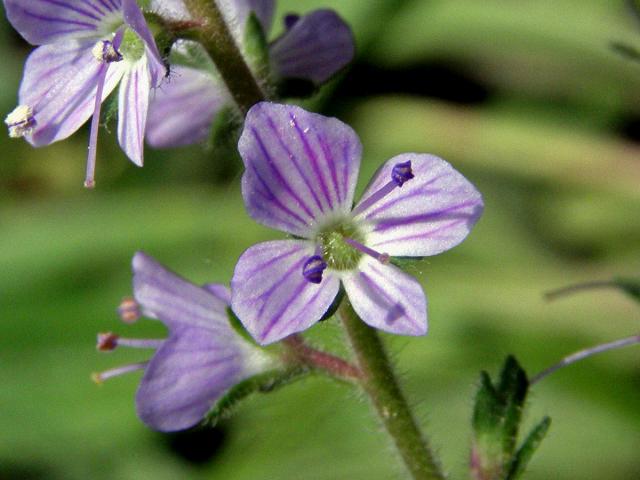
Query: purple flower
{"points": [[314, 47], [86, 47], [202, 358], [300, 177]]}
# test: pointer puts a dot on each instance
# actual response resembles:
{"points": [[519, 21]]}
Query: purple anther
{"points": [[290, 20], [313, 268], [402, 173]]}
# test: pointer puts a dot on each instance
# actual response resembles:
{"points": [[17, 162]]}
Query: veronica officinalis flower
{"points": [[86, 48], [202, 358], [300, 177]]}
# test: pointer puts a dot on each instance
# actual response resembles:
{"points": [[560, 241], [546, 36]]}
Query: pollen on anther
{"points": [[313, 269], [104, 52], [401, 173], [129, 310], [20, 121]]}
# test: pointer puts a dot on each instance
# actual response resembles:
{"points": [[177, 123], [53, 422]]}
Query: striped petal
{"points": [[431, 213], [132, 110], [134, 18], [190, 371], [387, 298], [176, 302], [270, 295], [301, 167], [182, 110], [59, 84], [47, 21], [317, 46]]}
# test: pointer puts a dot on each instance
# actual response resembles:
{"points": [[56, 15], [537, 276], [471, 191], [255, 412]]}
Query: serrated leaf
{"points": [[631, 286], [522, 457], [262, 383]]}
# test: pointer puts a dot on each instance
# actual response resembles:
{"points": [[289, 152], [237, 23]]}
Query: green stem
{"points": [[215, 36], [381, 385]]}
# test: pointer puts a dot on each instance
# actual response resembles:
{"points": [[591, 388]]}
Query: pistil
{"points": [[381, 257]]}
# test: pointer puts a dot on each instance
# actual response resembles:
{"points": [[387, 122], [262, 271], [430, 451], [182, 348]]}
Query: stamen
{"points": [[89, 181], [381, 257], [100, 377], [400, 174], [109, 341], [313, 269], [129, 310], [104, 52], [20, 121]]}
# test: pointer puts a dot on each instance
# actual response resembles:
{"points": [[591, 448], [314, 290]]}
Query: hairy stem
{"points": [[379, 382], [582, 354], [215, 36]]}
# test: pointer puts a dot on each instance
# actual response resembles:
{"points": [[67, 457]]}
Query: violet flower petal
{"points": [[271, 296], [59, 84], [301, 167], [133, 103], [47, 21], [186, 376], [236, 13], [182, 110], [220, 291], [176, 302], [431, 213], [134, 18], [387, 298], [316, 47]]}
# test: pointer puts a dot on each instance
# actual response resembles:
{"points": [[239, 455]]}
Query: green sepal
{"points": [[256, 47], [261, 383], [513, 389], [631, 286], [225, 128], [527, 449]]}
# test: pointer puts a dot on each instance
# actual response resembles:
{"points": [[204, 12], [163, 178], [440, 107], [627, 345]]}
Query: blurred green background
{"points": [[525, 97]]}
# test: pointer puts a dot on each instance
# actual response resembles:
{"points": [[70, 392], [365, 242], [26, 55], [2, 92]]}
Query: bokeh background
{"points": [[525, 97]]}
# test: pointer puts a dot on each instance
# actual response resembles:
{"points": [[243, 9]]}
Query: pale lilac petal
{"points": [[429, 214], [174, 10], [317, 46], [47, 21], [182, 110], [134, 18], [387, 298], [219, 290], [176, 302], [132, 110], [186, 376], [270, 295], [59, 84], [301, 167]]}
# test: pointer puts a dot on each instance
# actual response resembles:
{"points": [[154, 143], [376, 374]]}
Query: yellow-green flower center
{"points": [[336, 252]]}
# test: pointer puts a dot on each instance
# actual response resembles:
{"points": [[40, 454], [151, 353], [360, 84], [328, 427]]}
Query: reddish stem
{"points": [[334, 366]]}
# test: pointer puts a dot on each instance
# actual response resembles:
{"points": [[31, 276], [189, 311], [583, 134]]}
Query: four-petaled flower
{"points": [[86, 48], [313, 48], [300, 177], [202, 358]]}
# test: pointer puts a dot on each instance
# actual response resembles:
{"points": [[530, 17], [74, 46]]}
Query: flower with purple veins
{"points": [[86, 48], [202, 358], [300, 177], [314, 47]]}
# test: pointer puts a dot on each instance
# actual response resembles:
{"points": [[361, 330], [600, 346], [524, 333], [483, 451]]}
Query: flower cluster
{"points": [[301, 171]]}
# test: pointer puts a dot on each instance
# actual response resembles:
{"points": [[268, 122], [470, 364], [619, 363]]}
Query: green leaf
{"points": [[521, 459], [513, 390], [262, 383], [631, 286]]}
